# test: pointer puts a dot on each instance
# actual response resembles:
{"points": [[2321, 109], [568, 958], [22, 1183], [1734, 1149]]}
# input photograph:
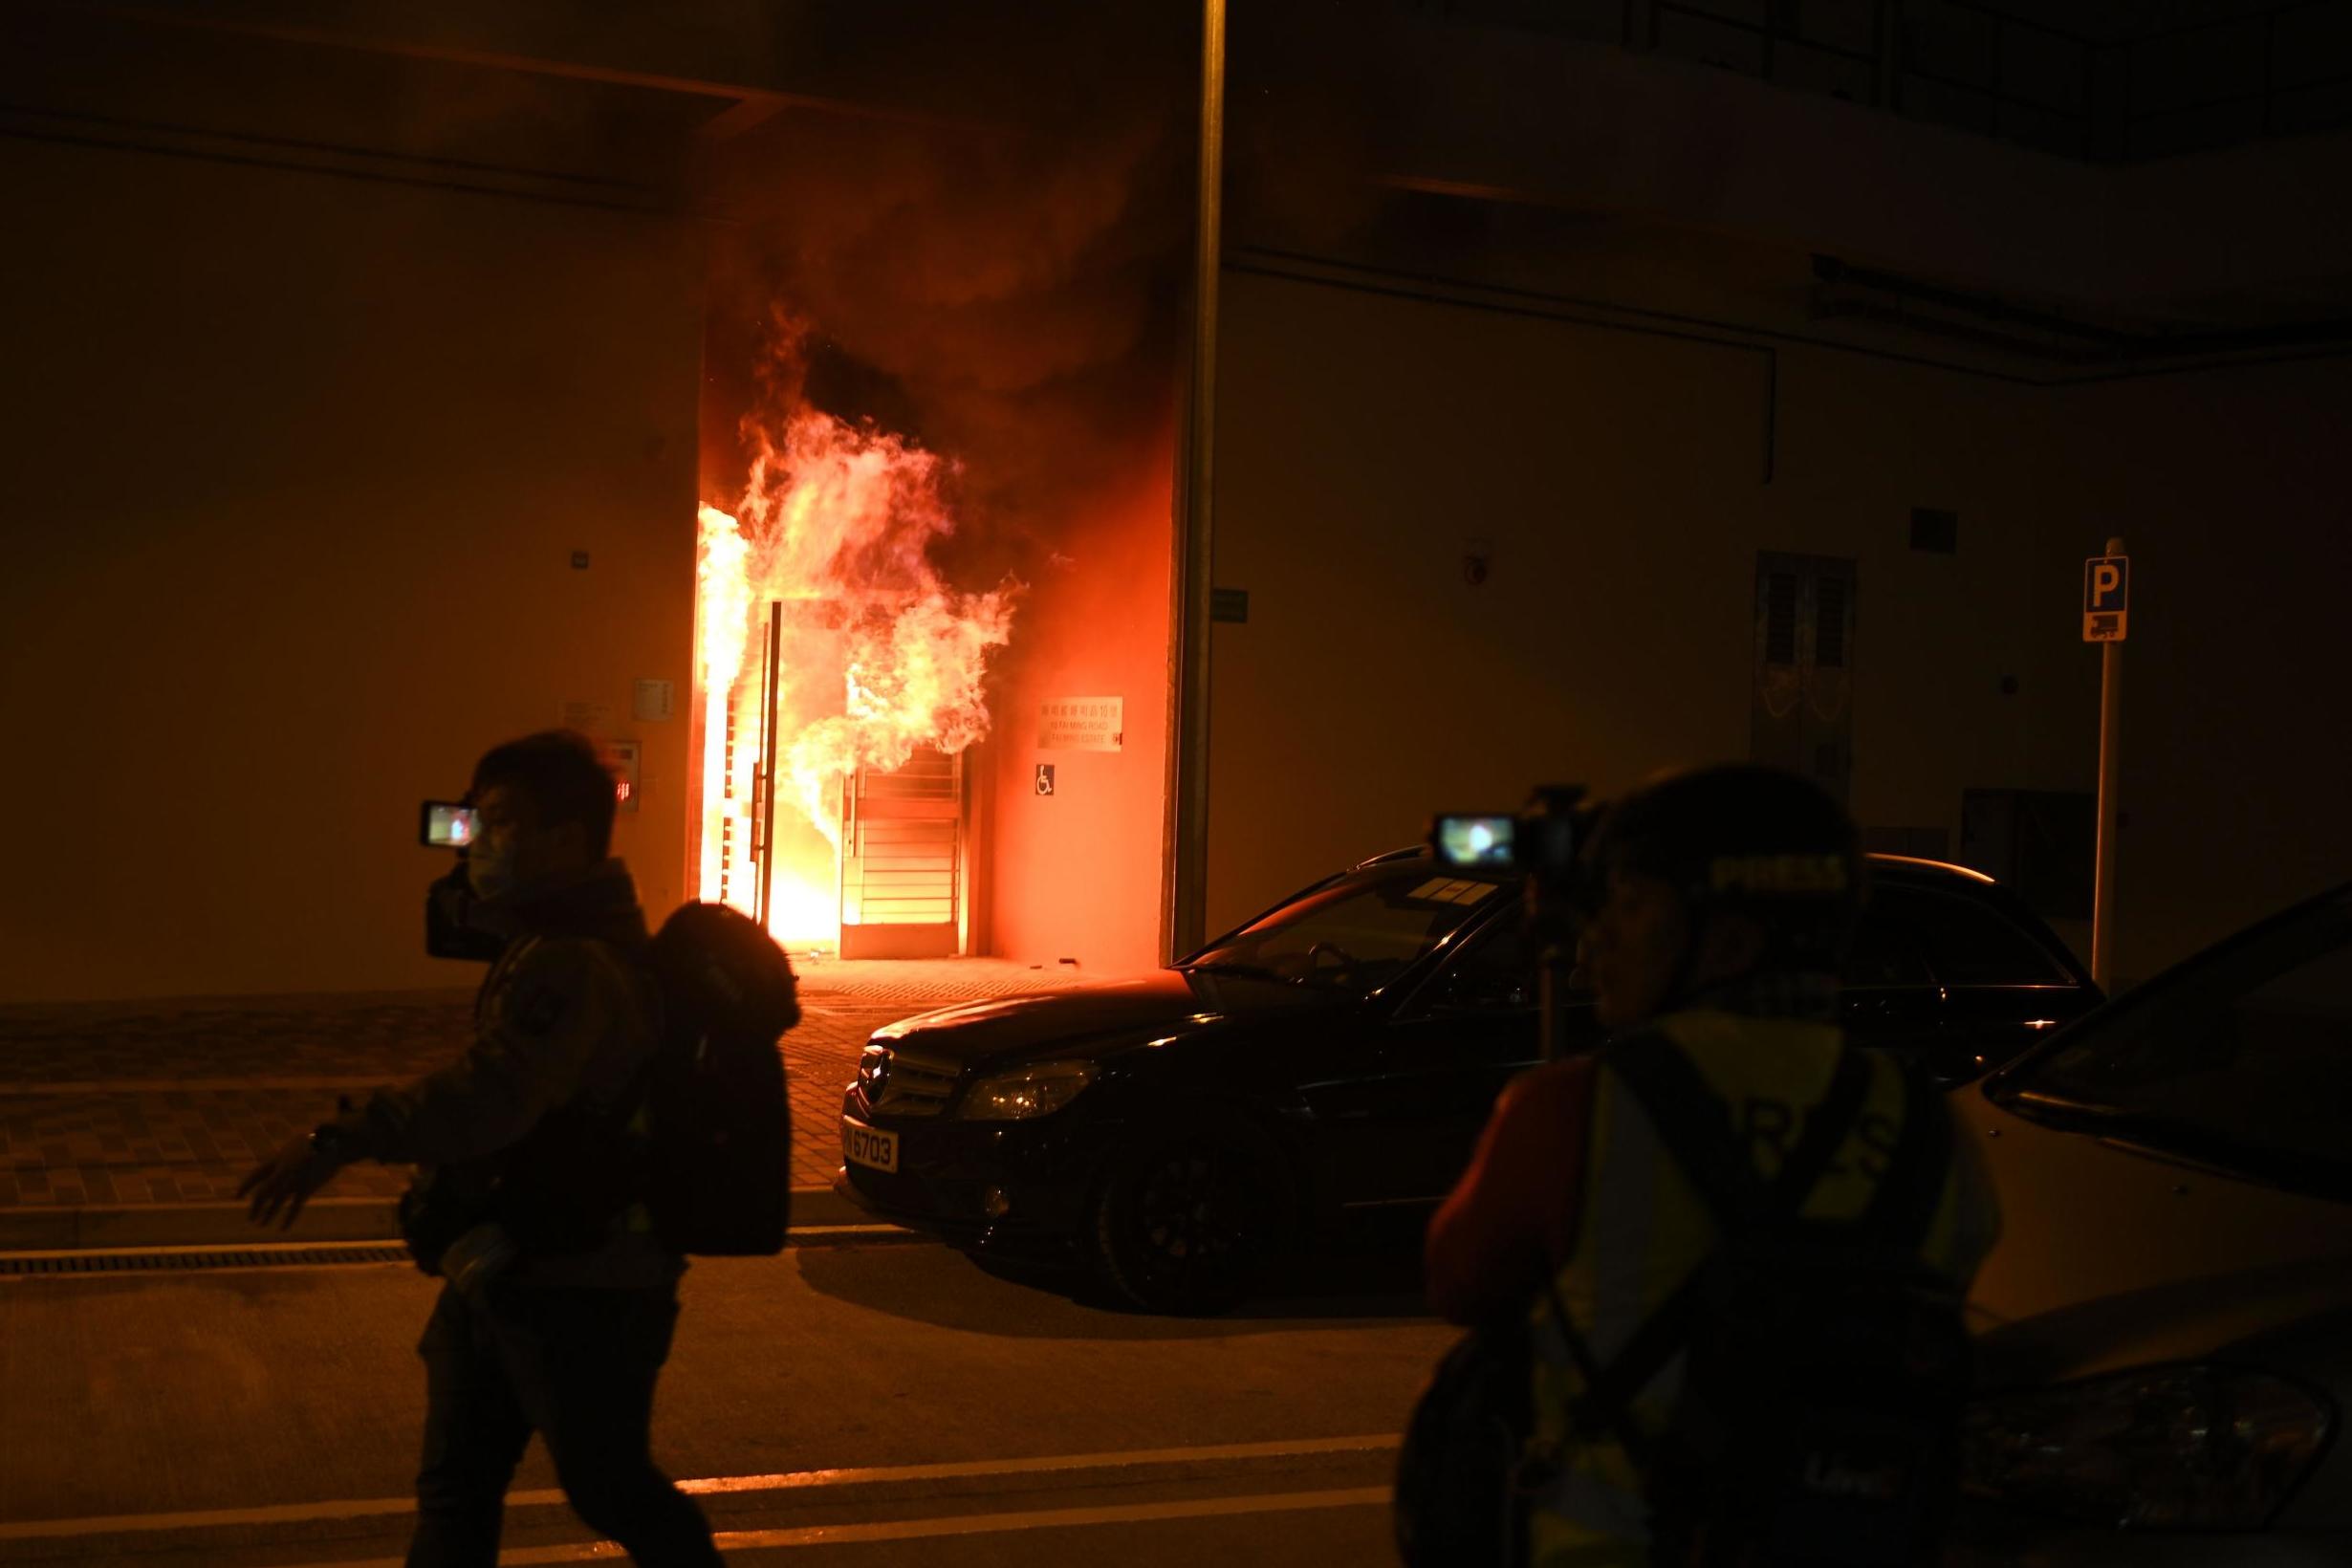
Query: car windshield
{"points": [[2243, 1059], [1357, 934]]}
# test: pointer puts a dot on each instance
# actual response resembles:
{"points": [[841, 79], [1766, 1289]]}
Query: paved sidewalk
{"points": [[112, 1112]]}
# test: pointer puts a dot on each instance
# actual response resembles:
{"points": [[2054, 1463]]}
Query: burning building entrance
{"points": [[840, 688]]}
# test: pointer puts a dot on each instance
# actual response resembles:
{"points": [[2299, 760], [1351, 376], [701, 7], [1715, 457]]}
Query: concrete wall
{"points": [[1364, 437], [2229, 488], [1362, 443], [1418, 207], [1433, 99], [294, 472]]}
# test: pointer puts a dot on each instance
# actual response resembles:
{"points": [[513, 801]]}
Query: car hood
{"points": [[1089, 1022], [2256, 1315], [2112, 1256]]}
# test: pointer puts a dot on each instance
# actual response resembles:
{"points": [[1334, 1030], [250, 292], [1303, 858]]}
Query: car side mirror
{"points": [[1474, 992]]}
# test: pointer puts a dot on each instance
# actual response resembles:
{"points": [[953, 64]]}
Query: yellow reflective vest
{"points": [[1642, 1227]]}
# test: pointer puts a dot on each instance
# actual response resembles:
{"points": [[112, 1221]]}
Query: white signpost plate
{"points": [[2106, 598]]}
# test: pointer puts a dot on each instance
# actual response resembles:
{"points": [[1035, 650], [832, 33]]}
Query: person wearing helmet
{"points": [[1718, 904]]}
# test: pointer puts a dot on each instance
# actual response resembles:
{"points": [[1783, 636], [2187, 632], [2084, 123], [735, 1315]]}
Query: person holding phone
{"points": [[560, 1299], [1728, 1150]]}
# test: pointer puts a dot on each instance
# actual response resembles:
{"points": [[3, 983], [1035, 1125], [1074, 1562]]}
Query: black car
{"points": [[1337, 1055]]}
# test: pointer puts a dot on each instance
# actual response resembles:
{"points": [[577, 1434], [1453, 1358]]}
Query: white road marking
{"points": [[199, 1251], [1119, 1458], [791, 1480], [38, 1280], [961, 1524], [852, 1230], [274, 1249], [116, 1088]]}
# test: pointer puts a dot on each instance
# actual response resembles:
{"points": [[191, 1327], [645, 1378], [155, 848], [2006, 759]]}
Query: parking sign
{"points": [[2107, 598]]}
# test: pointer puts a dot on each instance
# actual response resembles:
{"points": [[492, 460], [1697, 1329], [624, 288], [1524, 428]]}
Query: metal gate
{"points": [[902, 859], [903, 889]]}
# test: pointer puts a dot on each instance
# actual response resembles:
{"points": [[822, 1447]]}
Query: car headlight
{"points": [[2166, 1448], [1031, 1091]]}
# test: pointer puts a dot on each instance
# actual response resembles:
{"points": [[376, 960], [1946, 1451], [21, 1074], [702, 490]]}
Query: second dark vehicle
{"points": [[1337, 1055]]}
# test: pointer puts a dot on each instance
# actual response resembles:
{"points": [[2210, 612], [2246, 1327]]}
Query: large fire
{"points": [[876, 655]]}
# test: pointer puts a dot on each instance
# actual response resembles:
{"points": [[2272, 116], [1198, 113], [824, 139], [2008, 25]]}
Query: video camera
{"points": [[448, 932], [446, 824], [1544, 842]]}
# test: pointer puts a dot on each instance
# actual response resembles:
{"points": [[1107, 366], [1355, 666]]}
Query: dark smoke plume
{"points": [[1006, 289]]}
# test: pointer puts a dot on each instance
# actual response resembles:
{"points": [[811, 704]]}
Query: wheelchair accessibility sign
{"points": [[2107, 598]]}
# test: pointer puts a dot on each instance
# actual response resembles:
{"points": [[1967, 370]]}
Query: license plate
{"points": [[870, 1146]]}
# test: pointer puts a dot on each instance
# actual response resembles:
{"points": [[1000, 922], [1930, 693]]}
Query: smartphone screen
{"points": [[447, 825], [1467, 841]]}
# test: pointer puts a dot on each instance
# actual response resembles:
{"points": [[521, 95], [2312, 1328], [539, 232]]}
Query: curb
{"points": [[64, 1230]]}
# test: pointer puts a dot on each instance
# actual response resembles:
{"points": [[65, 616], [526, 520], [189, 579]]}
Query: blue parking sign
{"points": [[2107, 598]]}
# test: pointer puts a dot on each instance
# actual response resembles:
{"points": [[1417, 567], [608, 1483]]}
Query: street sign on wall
{"points": [[1082, 724], [2107, 598]]}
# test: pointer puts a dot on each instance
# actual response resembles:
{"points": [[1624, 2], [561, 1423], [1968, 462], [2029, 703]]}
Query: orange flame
{"points": [[879, 656]]}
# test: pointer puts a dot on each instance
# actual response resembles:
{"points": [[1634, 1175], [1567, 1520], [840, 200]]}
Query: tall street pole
{"points": [[2110, 764], [1186, 914]]}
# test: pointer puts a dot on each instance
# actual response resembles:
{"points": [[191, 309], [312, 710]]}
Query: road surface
{"points": [[870, 1401]]}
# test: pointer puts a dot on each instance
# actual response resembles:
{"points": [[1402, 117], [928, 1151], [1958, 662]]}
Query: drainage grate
{"points": [[172, 1259]]}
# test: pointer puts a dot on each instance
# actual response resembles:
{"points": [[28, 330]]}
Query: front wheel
{"points": [[1185, 1225]]}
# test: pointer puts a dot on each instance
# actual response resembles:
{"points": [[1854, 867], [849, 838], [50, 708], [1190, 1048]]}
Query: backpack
{"points": [[715, 1168], [718, 1168], [1817, 1421]]}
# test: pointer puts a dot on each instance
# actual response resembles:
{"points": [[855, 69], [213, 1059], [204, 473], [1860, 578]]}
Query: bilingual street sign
{"points": [[2107, 598], [1082, 724]]}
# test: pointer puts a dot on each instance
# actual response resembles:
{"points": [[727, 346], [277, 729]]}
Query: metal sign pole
{"points": [[774, 695], [2110, 762], [1184, 907]]}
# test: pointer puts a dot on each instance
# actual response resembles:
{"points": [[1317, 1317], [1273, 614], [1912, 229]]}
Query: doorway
{"points": [[1802, 713]]}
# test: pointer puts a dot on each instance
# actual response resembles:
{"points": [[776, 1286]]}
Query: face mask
{"points": [[489, 866], [457, 924]]}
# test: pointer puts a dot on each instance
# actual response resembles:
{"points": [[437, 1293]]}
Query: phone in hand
{"points": [[446, 824]]}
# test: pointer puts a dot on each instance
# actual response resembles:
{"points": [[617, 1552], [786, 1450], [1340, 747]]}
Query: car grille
{"points": [[903, 1083]]}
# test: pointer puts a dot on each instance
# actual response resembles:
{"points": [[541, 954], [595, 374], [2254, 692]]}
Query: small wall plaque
{"points": [[1082, 724]]}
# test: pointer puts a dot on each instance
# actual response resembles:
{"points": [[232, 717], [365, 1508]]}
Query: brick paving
{"points": [[173, 1101]]}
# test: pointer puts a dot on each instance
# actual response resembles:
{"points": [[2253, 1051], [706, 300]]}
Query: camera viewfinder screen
{"points": [[447, 826], [1474, 841]]}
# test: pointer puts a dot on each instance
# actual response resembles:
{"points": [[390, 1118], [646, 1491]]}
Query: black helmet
{"points": [[1742, 836]]}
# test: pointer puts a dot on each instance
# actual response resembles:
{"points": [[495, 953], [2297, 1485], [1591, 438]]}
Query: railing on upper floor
{"points": [[1986, 67]]}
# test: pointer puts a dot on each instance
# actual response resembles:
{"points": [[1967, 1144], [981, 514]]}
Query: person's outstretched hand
{"points": [[284, 1182]]}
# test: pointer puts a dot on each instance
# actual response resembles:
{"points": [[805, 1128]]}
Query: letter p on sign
{"points": [[2107, 598]]}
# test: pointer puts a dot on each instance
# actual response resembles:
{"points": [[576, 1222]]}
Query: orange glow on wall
{"points": [[1078, 874]]}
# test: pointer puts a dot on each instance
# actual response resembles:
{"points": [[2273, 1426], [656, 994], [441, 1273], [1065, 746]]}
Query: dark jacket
{"points": [[566, 1018]]}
